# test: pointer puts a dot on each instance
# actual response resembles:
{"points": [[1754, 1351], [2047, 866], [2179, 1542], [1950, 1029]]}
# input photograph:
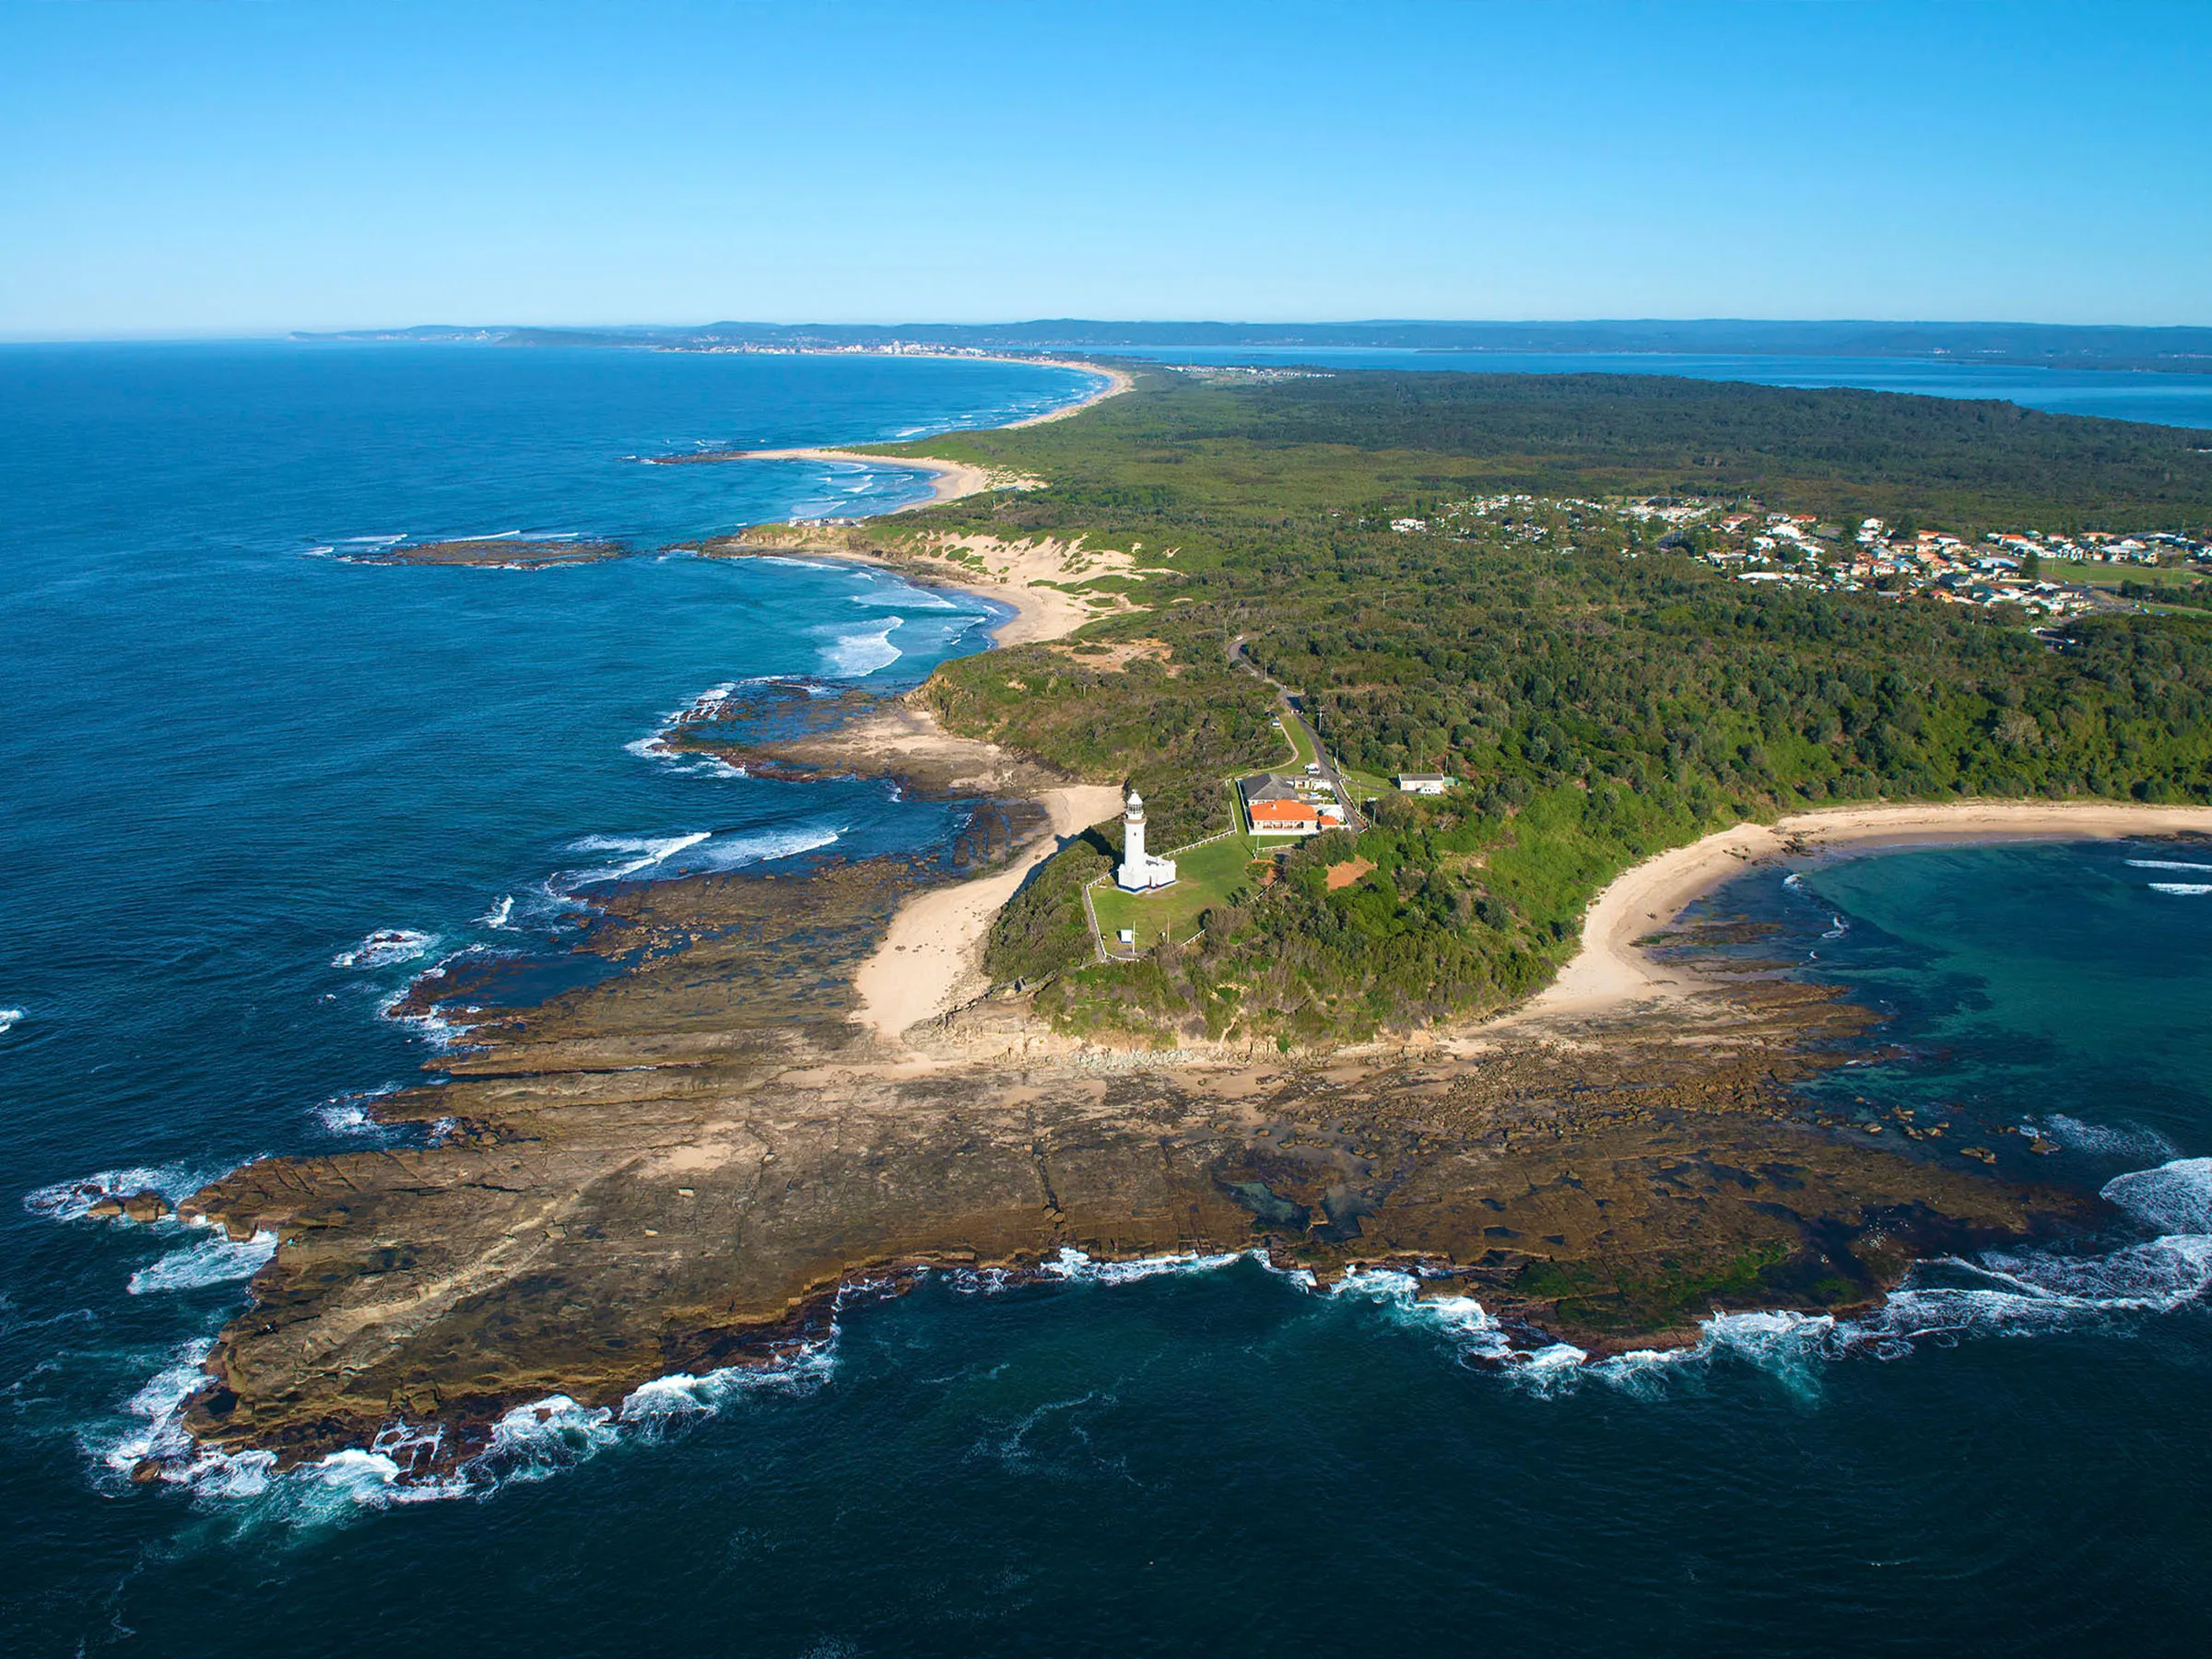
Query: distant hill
{"points": [[2046, 345]]}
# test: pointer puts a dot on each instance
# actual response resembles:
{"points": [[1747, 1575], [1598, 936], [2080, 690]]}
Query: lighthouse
{"points": [[1140, 872]]}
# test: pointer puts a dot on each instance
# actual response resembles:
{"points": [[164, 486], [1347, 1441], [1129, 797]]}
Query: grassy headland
{"points": [[1601, 695]]}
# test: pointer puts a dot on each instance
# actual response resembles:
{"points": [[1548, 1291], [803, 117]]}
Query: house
{"points": [[1284, 818], [1280, 805], [1423, 784]]}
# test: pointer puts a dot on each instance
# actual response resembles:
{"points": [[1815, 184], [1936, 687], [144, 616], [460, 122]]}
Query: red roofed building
{"points": [[1280, 805], [1284, 818]]}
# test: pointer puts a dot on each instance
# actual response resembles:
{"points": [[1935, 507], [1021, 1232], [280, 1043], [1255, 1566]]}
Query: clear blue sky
{"points": [[188, 168]]}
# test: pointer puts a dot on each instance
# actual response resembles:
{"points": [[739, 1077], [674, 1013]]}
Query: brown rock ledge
{"points": [[677, 1170]]}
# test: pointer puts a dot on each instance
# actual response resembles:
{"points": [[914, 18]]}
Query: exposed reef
{"points": [[506, 553], [677, 1168]]}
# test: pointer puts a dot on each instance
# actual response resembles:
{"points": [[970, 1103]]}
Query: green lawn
{"points": [[2113, 575], [1302, 747], [1203, 877], [1365, 786]]}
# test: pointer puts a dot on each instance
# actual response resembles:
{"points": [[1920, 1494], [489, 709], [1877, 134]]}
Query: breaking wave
{"points": [[348, 1113], [905, 596], [72, 1200], [2175, 1197], [2110, 1140], [856, 655], [384, 948], [642, 853], [691, 853], [2166, 863], [400, 1464], [1075, 1267], [9, 1019], [2184, 890], [2012, 1293], [1998, 1293], [1469, 1327], [210, 1262]]}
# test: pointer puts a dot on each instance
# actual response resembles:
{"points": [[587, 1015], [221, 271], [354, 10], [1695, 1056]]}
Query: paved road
{"points": [[1289, 700]]}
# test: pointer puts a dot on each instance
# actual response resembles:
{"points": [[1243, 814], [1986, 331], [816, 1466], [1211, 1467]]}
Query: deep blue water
{"points": [[229, 757], [2182, 400]]}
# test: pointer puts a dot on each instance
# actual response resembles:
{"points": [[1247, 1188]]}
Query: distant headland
{"points": [[2038, 345]]}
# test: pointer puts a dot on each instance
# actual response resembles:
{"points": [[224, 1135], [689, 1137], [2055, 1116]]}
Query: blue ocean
{"points": [[253, 784]]}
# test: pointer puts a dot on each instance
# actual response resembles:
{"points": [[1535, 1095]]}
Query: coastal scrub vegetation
{"points": [[1601, 694]]}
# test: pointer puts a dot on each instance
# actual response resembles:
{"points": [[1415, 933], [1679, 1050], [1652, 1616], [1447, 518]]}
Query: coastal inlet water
{"points": [[2163, 399], [250, 787]]}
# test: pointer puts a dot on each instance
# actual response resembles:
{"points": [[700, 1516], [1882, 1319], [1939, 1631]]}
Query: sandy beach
{"points": [[1117, 381], [950, 480], [1610, 973], [931, 961]]}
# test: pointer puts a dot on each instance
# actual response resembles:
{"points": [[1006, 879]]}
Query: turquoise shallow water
{"points": [[230, 759]]}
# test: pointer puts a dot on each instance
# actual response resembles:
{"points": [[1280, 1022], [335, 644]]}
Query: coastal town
{"points": [[2045, 573]]}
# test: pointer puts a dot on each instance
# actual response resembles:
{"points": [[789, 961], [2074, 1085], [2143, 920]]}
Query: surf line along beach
{"points": [[950, 481]]}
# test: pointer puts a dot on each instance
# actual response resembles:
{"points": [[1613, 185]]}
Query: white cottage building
{"points": [[1140, 872]]}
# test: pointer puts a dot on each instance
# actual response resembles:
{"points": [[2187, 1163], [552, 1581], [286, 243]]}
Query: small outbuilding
{"points": [[1423, 784]]}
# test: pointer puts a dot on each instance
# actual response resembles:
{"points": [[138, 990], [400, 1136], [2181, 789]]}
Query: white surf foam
{"points": [[644, 852], [1999, 1293], [1075, 1267], [856, 655], [693, 852], [439, 1029], [386, 947], [680, 1399], [500, 915], [2181, 889], [9, 1019], [71, 1200], [2107, 1140], [737, 852], [210, 1262], [348, 1113], [904, 596], [538, 1442], [2166, 863], [2175, 1197], [1462, 1321], [157, 1409]]}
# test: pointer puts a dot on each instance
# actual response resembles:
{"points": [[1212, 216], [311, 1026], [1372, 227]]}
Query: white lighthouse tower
{"points": [[1140, 872]]}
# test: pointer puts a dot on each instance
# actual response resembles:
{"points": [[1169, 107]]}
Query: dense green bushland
{"points": [[1186, 451], [1602, 696], [1170, 730]]}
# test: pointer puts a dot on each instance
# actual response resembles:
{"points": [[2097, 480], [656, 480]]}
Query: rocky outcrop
{"points": [[146, 1206]]}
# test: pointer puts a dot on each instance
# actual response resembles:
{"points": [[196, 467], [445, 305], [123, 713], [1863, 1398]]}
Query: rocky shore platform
{"points": [[679, 1169]]}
